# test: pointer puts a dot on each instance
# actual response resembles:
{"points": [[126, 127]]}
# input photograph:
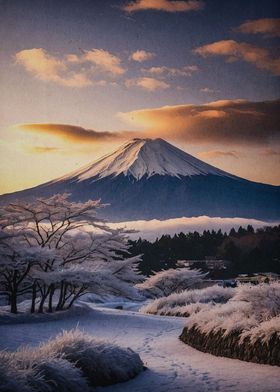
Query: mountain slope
{"points": [[145, 157], [147, 179]]}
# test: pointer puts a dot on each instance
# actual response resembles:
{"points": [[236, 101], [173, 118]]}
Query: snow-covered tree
{"points": [[54, 246], [170, 281]]}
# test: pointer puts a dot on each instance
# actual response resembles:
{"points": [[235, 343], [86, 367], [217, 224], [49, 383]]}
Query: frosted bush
{"points": [[264, 299], [42, 371], [66, 364], [252, 311], [170, 281], [102, 363], [11, 378], [230, 317], [189, 301], [264, 331], [57, 374]]}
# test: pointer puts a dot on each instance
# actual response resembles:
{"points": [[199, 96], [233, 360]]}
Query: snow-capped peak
{"points": [[145, 157]]}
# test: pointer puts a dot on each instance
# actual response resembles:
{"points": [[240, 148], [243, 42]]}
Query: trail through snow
{"points": [[172, 366]]}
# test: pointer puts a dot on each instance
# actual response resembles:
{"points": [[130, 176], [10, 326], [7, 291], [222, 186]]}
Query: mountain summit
{"points": [[152, 179], [140, 158]]}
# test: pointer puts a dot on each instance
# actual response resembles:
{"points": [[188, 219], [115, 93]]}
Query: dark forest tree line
{"points": [[248, 250]]}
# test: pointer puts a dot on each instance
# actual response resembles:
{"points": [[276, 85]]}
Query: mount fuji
{"points": [[152, 179]]}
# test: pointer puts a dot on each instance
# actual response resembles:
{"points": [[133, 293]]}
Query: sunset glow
{"points": [[77, 82]]}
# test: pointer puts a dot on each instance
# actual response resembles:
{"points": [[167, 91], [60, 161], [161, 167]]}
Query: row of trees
{"points": [[249, 250], [53, 251]]}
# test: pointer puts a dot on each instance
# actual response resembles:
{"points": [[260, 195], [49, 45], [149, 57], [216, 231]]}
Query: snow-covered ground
{"points": [[172, 365]]}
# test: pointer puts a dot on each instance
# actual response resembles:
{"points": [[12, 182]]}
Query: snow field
{"points": [[172, 365]]}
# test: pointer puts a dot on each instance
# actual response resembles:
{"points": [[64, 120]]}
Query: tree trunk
{"points": [[41, 305], [75, 297], [58, 306], [33, 302], [64, 297], [43, 300], [52, 290], [13, 295], [13, 302]]}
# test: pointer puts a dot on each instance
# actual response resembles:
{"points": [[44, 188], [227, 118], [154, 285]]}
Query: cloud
{"points": [[208, 90], [104, 60], [150, 84], [227, 121], [270, 152], [155, 228], [41, 149], [141, 55], [163, 5], [73, 133], [270, 27], [48, 68], [233, 51], [187, 70], [218, 154]]}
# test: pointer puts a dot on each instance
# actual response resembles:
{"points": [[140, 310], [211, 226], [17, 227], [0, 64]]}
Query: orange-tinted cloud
{"points": [[71, 70], [141, 55], [150, 84], [104, 60], [48, 68], [270, 152], [260, 57], [73, 133], [41, 149], [270, 27], [218, 154], [227, 121], [163, 5]]}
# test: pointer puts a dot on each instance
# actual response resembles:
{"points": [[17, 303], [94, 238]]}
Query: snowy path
{"points": [[172, 365]]}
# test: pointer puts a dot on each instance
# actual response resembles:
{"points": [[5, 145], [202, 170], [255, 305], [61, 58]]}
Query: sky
{"points": [[79, 78]]}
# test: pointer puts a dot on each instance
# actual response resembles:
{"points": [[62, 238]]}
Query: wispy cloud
{"points": [[141, 56], [150, 84], [41, 149], [73, 133], [208, 90], [213, 154], [163, 5], [269, 27], [187, 70], [270, 152], [260, 57], [228, 121], [63, 71]]}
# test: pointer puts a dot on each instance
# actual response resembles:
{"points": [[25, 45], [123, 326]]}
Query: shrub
{"points": [[189, 301], [102, 363], [246, 327], [170, 281], [67, 364], [12, 379]]}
